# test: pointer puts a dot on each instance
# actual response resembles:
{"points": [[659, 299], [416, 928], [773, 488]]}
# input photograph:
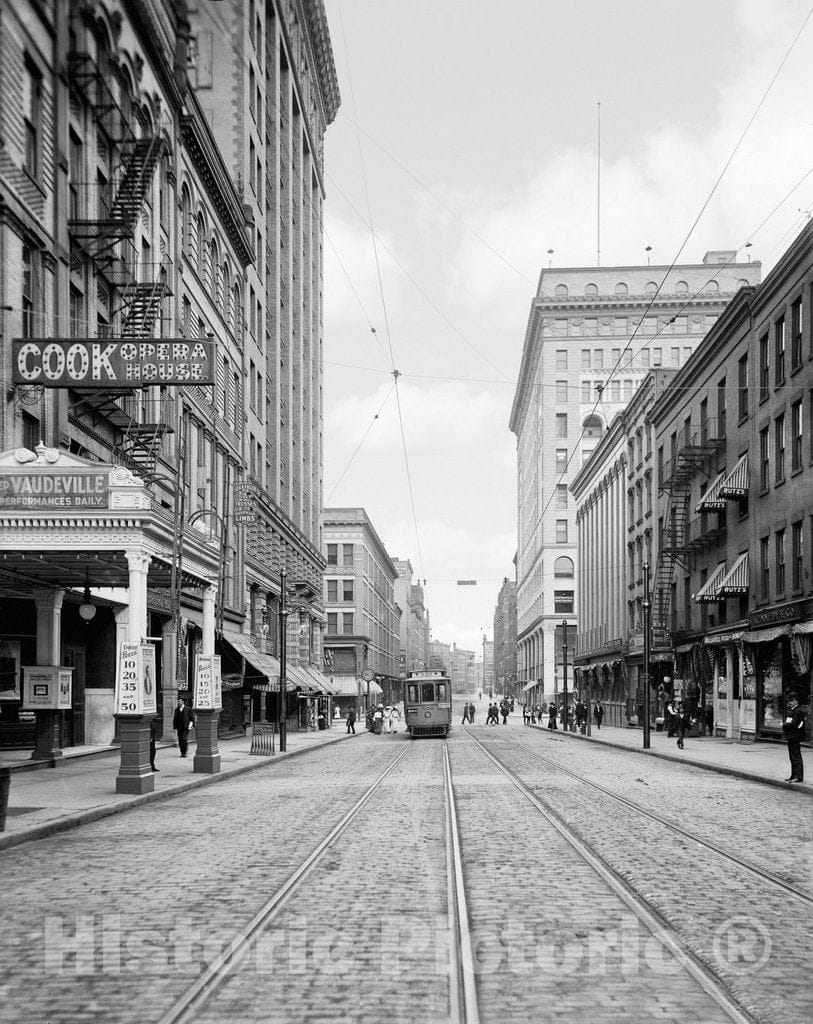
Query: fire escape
{"points": [[102, 222], [692, 455]]}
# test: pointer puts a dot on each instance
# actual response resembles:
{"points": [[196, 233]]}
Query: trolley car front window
{"points": [[442, 691], [427, 693]]}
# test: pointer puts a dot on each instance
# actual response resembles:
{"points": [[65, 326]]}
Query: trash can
{"points": [[659, 724]]}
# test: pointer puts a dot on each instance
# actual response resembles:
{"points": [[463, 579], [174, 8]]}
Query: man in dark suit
{"points": [[794, 731], [182, 722]]}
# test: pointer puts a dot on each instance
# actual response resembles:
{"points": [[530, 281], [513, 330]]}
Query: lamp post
{"points": [[564, 672], [647, 607], [283, 660]]}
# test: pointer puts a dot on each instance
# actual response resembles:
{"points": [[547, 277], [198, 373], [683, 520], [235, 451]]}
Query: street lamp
{"points": [[564, 671], [283, 661], [647, 607]]}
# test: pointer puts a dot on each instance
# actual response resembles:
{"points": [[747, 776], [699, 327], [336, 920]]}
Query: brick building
{"points": [[505, 639]]}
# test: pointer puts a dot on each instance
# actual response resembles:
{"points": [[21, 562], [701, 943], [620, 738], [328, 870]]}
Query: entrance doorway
{"points": [[73, 722]]}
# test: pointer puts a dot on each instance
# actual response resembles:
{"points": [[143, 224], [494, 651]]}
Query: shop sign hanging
{"points": [[122, 363], [47, 688]]}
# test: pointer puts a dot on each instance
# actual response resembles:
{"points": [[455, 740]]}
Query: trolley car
{"points": [[427, 704]]}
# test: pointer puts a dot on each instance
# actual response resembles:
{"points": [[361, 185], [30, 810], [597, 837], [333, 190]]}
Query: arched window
{"points": [[213, 272], [681, 288], [563, 567], [226, 293], [712, 288], [591, 290], [593, 427], [187, 229], [561, 291], [237, 303], [202, 247], [742, 283], [621, 289]]}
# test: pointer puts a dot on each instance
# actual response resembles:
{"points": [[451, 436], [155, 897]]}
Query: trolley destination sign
{"points": [[111, 363]]}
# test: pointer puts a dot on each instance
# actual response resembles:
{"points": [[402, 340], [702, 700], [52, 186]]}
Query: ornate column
{"points": [[49, 619], [207, 753], [135, 774]]}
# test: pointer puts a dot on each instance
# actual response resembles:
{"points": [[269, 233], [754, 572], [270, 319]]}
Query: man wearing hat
{"points": [[794, 731]]}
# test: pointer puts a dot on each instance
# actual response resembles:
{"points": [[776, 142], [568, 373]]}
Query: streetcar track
{"points": [[650, 917], [760, 873], [226, 962]]}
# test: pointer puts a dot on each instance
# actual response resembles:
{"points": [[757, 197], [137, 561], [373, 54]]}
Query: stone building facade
{"points": [[505, 639]]}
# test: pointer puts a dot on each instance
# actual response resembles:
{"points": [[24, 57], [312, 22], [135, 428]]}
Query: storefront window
{"points": [[771, 705]]}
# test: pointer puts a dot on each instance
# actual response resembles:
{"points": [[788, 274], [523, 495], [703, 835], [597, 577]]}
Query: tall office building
{"points": [[592, 334], [265, 77]]}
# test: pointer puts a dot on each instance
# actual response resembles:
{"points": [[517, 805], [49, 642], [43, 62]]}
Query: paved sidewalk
{"points": [[760, 762], [83, 789]]}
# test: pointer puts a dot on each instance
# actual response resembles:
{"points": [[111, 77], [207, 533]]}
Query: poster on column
{"points": [[148, 682], [47, 687], [217, 684], [204, 695], [129, 685]]}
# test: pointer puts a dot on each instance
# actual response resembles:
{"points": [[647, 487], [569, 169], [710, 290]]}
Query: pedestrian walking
{"points": [[466, 718], [504, 711], [387, 718], [395, 719], [351, 720], [598, 713], [793, 729], [492, 714], [526, 714], [709, 720], [552, 715], [472, 711], [182, 722], [682, 723], [378, 719], [671, 717], [153, 737]]}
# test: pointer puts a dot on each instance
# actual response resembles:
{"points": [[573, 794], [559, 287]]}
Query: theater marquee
{"points": [[105, 363]]}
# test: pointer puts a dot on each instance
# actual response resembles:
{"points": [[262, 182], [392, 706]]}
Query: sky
{"points": [[466, 148]]}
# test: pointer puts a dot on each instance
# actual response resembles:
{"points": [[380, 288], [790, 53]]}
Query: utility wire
{"points": [[361, 442]]}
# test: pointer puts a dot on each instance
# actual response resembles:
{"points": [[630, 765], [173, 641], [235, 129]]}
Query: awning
{"points": [[297, 678], [736, 579], [802, 627], [735, 484], [708, 593], [260, 667], [345, 685], [318, 679], [765, 636], [711, 500], [529, 686]]}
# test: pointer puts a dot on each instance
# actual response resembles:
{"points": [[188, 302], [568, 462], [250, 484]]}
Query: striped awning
{"points": [[735, 484], [709, 592], [736, 579], [711, 500]]}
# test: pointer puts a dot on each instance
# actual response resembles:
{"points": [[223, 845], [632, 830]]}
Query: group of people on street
{"points": [[469, 710], [578, 713], [495, 710], [382, 718]]}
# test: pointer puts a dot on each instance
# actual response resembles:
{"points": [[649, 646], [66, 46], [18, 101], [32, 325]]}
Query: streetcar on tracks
{"points": [[427, 704]]}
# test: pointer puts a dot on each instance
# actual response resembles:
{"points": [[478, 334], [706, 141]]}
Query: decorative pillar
{"points": [[135, 774], [47, 743], [207, 753]]}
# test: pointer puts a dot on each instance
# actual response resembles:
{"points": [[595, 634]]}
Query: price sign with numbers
{"points": [[148, 682], [204, 688], [129, 685]]}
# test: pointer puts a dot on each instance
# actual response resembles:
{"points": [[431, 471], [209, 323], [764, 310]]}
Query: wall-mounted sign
{"points": [[51, 488], [105, 362], [244, 504], [47, 687], [135, 679]]}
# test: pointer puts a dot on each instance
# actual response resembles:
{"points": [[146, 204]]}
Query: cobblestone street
{"points": [[115, 920]]}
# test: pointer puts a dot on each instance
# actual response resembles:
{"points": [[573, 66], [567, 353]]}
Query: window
{"points": [[616, 358], [721, 408], [561, 358], [561, 424], [347, 623], [333, 554], [627, 390], [764, 460], [779, 447], [796, 334], [657, 357], [704, 421], [563, 568], [764, 569], [742, 387], [333, 591], [780, 561], [643, 358], [427, 693], [561, 460], [796, 436], [563, 602], [764, 368], [561, 391], [598, 358], [585, 390], [28, 303], [779, 352], [333, 622], [797, 554], [347, 590], [347, 554], [561, 495], [675, 356], [412, 693], [586, 354], [561, 531], [615, 391], [32, 117]]}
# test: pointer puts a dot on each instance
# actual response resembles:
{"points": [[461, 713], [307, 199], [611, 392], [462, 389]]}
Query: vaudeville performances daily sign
{"points": [[48, 488], [104, 363]]}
